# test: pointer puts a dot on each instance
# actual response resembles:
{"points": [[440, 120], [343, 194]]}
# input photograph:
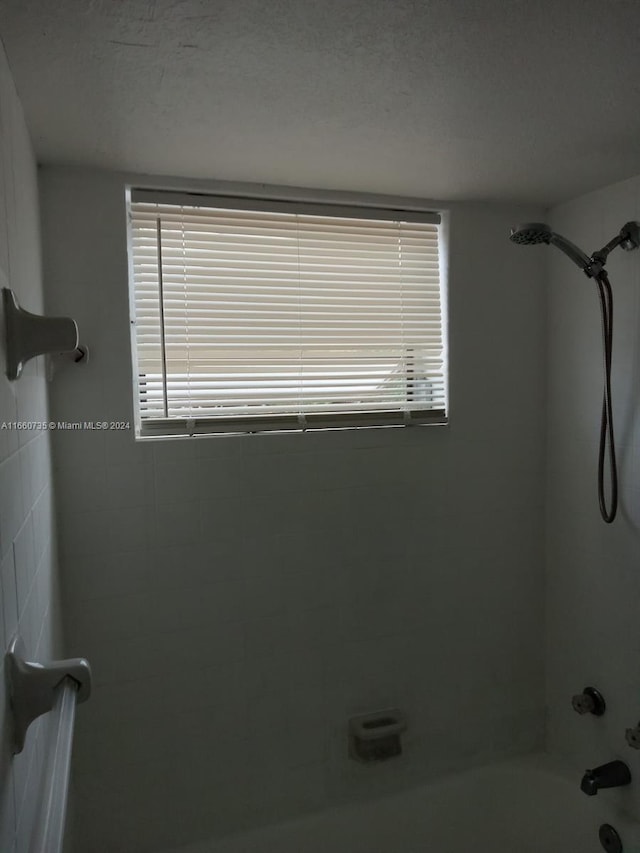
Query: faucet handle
{"points": [[590, 701]]}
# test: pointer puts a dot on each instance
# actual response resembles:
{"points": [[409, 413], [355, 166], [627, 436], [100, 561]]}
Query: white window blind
{"points": [[254, 315]]}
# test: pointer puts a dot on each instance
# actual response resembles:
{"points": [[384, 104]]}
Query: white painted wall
{"points": [[239, 598], [27, 543], [593, 580]]}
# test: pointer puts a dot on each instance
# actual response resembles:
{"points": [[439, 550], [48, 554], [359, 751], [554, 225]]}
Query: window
{"points": [[251, 315]]}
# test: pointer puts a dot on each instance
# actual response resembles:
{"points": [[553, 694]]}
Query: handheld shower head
{"points": [[531, 233], [594, 267], [539, 232]]}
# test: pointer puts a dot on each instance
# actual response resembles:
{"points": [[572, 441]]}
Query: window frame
{"points": [[371, 207]]}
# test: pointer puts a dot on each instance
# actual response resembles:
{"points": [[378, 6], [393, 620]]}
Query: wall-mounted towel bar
{"points": [[32, 686], [28, 335], [48, 832], [33, 690]]}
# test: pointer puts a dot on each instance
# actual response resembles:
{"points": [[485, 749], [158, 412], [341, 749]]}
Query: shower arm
{"points": [[628, 238]]}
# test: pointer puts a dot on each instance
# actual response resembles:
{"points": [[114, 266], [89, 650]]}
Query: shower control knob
{"points": [[633, 737], [590, 701], [609, 839]]}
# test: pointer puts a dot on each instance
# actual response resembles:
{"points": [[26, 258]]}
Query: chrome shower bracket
{"points": [[630, 233], [628, 238], [31, 687]]}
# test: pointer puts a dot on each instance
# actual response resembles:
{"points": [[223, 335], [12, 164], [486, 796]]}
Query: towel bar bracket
{"points": [[32, 686], [28, 335]]}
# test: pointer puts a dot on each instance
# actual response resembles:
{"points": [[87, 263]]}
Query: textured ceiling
{"points": [[486, 99]]}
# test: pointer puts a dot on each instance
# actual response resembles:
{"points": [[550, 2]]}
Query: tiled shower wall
{"points": [[593, 581], [27, 547], [240, 598]]}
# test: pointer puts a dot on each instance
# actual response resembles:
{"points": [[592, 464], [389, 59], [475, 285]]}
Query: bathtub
{"points": [[530, 805]]}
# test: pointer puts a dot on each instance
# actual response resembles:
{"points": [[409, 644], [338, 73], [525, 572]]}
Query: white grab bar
{"points": [[35, 689], [48, 834]]}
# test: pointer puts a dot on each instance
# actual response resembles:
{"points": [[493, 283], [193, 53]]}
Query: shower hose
{"points": [[606, 423]]}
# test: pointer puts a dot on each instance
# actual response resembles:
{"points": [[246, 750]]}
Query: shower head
{"points": [[539, 232], [531, 233]]}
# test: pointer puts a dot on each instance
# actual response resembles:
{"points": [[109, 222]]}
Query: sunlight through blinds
{"points": [[255, 316]]}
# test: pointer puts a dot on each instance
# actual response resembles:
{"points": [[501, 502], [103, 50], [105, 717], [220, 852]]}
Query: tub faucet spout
{"points": [[611, 775]]}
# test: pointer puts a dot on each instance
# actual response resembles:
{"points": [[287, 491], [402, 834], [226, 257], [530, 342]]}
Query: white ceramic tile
{"points": [[42, 523], [25, 470], [46, 594], [196, 564], [193, 686], [7, 819], [124, 658], [129, 485], [175, 524], [8, 406], [79, 394], [78, 448], [80, 487], [174, 451], [12, 512], [31, 620], [24, 561], [221, 447], [343, 565], [222, 476], [104, 575], [4, 237], [27, 465], [3, 630], [85, 532], [7, 98], [176, 482], [22, 767], [592, 567], [128, 529], [9, 597], [122, 449], [7, 799], [32, 400]]}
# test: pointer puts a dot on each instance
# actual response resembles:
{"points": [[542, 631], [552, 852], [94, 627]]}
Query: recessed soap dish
{"points": [[376, 736]]}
